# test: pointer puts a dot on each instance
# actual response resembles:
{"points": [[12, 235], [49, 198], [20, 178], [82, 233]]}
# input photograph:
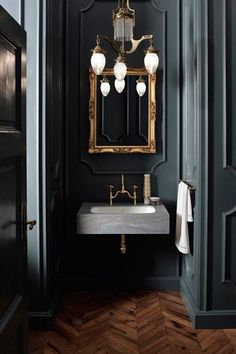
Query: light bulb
{"points": [[140, 87], [119, 85], [120, 69], [151, 62], [98, 62], [98, 59], [105, 87]]}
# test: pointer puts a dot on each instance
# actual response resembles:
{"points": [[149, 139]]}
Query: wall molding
{"points": [[224, 84], [206, 319], [227, 247], [43, 320], [227, 33]]}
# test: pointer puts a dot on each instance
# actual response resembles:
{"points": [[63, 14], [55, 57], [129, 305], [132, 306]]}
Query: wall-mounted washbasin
{"points": [[123, 209], [125, 218]]}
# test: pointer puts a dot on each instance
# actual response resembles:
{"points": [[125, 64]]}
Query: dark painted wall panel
{"points": [[54, 232], [8, 232], [208, 275], [88, 176], [189, 132], [222, 190], [230, 81]]}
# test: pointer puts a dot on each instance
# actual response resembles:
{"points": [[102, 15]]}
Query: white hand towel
{"points": [[183, 215]]}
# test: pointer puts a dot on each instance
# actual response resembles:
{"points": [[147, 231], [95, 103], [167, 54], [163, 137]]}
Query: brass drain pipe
{"points": [[122, 244]]}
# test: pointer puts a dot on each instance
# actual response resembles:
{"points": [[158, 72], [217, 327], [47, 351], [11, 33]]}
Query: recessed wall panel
{"points": [[8, 234], [231, 82], [8, 84]]}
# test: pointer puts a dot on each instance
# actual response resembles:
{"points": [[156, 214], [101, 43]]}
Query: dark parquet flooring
{"points": [[145, 322]]}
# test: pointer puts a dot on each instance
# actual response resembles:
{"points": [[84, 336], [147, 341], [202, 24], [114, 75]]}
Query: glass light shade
{"points": [[119, 85], [123, 29], [105, 88], [98, 62], [151, 62], [141, 88], [120, 70]]}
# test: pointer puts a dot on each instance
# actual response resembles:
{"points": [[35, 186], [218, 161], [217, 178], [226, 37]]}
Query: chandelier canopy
{"points": [[123, 23]]}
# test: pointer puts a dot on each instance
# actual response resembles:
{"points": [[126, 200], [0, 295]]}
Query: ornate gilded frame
{"points": [[150, 148]]}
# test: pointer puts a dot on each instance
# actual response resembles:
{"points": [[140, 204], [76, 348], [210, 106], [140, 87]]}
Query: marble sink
{"points": [[125, 218], [123, 209]]}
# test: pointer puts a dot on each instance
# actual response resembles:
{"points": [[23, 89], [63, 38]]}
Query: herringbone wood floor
{"points": [[128, 323]]}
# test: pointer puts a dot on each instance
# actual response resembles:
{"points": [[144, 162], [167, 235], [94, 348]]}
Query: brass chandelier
{"points": [[123, 23]]}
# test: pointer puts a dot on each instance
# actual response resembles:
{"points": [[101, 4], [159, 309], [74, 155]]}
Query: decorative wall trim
{"points": [[190, 125], [163, 12], [227, 81], [22, 9], [215, 319], [227, 237], [42, 320], [197, 281], [224, 83], [206, 319]]}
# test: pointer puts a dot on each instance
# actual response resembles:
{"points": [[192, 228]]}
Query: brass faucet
{"points": [[123, 191]]}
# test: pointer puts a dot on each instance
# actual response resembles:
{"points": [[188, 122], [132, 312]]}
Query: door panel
{"points": [[13, 314], [8, 227], [8, 82]]}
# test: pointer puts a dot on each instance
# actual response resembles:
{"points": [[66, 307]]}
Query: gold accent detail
{"points": [[122, 191], [93, 148], [122, 244]]}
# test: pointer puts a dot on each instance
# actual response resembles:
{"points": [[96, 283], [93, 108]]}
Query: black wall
{"points": [[151, 261]]}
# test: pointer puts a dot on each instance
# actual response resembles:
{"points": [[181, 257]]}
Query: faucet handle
{"points": [[110, 192], [134, 193]]}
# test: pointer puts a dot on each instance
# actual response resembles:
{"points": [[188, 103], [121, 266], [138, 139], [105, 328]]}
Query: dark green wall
{"points": [[208, 280], [196, 142], [151, 261]]}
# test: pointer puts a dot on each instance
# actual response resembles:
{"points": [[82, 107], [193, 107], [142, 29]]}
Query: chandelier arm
{"points": [[115, 46], [136, 42], [113, 43]]}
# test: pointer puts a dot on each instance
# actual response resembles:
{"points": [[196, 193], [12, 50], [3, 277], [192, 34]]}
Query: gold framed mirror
{"points": [[122, 123]]}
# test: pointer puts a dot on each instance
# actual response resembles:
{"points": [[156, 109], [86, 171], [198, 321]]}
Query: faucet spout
{"points": [[123, 191]]}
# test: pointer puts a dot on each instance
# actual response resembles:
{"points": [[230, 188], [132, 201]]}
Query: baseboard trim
{"points": [[144, 283], [207, 319], [43, 320]]}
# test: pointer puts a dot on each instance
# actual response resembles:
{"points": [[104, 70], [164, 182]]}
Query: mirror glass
{"points": [[122, 122]]}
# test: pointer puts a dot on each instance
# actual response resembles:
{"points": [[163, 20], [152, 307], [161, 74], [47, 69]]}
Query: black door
{"points": [[13, 314]]}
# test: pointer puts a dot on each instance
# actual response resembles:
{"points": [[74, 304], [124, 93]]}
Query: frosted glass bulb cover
{"points": [[98, 62], [123, 29], [105, 88], [119, 85], [151, 62], [141, 88], [120, 70]]}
